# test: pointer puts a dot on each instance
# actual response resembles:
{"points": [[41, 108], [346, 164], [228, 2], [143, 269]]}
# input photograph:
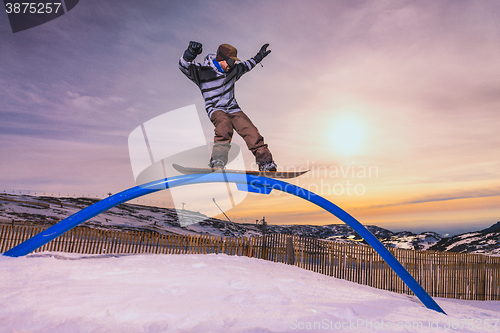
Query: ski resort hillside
{"points": [[46, 211], [471, 242]]}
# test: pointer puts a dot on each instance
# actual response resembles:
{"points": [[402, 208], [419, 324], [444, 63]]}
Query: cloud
{"points": [[467, 194], [92, 102]]}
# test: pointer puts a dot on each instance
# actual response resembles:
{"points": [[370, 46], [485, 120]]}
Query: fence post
{"points": [[481, 290], [290, 253], [264, 247]]}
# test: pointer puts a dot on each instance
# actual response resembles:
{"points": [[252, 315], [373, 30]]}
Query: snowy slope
{"points": [[73, 293], [409, 240], [46, 211], [471, 242], [28, 210]]}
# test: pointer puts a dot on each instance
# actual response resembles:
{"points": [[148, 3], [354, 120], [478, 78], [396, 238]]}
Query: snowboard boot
{"points": [[217, 164], [267, 166]]}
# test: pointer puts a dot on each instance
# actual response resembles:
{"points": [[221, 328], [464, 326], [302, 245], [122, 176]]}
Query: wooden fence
{"points": [[441, 274]]}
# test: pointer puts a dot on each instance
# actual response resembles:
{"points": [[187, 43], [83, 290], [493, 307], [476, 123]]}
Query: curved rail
{"points": [[255, 184]]}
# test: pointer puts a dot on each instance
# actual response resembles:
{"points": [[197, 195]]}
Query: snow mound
{"points": [[60, 292]]}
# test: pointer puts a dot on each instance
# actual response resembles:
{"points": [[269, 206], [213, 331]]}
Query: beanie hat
{"points": [[226, 51]]}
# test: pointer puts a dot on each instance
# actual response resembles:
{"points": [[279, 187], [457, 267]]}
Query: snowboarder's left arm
{"points": [[263, 52]]}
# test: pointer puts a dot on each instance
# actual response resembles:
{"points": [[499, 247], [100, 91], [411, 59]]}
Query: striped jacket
{"points": [[216, 87]]}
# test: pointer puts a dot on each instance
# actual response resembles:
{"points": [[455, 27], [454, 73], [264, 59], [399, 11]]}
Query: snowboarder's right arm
{"points": [[192, 51], [186, 64]]}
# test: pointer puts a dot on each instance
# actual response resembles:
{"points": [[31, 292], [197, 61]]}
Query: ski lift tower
{"points": [[262, 224]]}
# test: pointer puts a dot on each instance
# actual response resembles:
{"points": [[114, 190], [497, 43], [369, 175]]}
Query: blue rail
{"points": [[244, 182]]}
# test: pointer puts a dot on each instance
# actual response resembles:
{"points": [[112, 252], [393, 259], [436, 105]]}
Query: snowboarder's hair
{"points": [[225, 52]]}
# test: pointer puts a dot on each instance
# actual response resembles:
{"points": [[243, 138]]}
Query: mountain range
{"points": [[46, 211]]}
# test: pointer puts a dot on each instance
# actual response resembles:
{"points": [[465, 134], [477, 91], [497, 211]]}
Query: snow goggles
{"points": [[230, 61]]}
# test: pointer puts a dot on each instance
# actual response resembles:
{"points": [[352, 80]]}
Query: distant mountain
{"points": [[486, 241], [46, 211], [409, 240], [495, 227]]}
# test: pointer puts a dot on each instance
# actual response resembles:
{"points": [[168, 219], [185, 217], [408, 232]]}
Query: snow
{"points": [[62, 292], [125, 216]]}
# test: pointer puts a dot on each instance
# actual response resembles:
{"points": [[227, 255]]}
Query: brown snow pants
{"points": [[225, 123]]}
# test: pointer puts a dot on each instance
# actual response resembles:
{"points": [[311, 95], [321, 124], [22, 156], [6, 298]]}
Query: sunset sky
{"points": [[394, 106]]}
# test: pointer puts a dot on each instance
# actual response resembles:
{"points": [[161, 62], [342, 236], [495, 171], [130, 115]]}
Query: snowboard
{"points": [[269, 174]]}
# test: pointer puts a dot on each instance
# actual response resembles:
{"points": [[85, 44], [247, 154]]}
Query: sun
{"points": [[347, 135]]}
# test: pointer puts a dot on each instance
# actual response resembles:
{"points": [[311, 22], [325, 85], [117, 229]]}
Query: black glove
{"points": [[193, 50], [262, 53]]}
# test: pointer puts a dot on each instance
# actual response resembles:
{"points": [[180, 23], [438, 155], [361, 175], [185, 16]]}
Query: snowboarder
{"points": [[216, 78]]}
